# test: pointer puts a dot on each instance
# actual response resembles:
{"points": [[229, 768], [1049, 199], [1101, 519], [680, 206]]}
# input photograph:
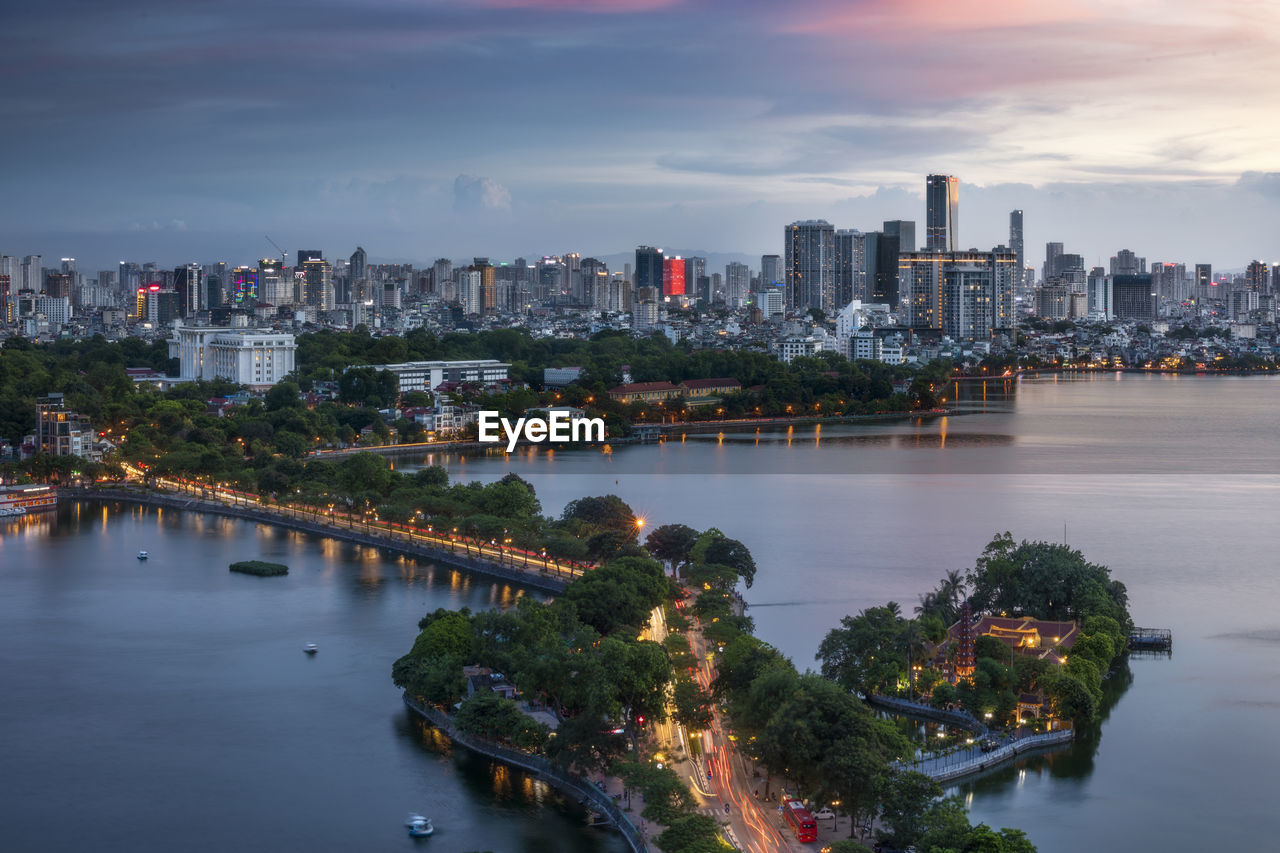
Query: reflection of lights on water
{"points": [[1022, 776]]}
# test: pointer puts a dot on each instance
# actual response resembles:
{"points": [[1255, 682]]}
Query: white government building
{"points": [[258, 358]]}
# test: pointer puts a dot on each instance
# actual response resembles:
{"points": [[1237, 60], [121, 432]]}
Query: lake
{"points": [[143, 698]]}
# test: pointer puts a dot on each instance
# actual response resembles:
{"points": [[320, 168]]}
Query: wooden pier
{"points": [[1151, 640]]}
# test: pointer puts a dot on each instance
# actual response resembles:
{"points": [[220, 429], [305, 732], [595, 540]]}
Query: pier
{"points": [[1151, 640]]}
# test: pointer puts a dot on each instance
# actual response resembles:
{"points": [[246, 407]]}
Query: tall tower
{"points": [[942, 200], [1017, 245], [810, 265], [649, 268], [964, 650]]}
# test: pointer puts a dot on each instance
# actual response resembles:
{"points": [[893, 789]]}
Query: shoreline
{"points": [[535, 766], [543, 583]]}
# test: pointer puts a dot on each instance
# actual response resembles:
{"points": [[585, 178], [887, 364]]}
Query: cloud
{"points": [[1264, 183], [474, 194]]}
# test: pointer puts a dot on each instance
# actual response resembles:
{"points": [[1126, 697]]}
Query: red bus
{"points": [[800, 821]]}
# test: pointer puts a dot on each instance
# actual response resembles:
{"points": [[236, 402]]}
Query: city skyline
{"points": [[145, 131]]}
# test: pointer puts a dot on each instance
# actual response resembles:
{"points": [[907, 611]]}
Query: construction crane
{"points": [[284, 256]]}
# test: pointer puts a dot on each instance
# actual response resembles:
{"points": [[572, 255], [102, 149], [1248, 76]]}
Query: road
{"points": [[722, 775], [501, 553]]}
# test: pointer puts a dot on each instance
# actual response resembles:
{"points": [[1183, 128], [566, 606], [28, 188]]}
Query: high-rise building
{"points": [[305, 255], [1016, 243], [59, 285], [488, 285], [648, 272], [271, 289], [968, 296], [317, 283], [942, 206], [1052, 251], [11, 269], [1204, 282], [1132, 297], [32, 274], [359, 265], [1125, 262], [737, 283], [694, 269], [810, 265], [1257, 277], [470, 296], [897, 236], [771, 272], [442, 278], [673, 283], [851, 266], [246, 286]]}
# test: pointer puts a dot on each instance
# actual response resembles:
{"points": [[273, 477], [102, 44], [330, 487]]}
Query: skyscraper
{"points": [[1016, 244], [1125, 262], [317, 283], [648, 268], [271, 288], [673, 282], [898, 236], [810, 265], [771, 274], [187, 281], [305, 255], [1204, 281], [942, 202], [851, 266], [737, 281], [1052, 251]]}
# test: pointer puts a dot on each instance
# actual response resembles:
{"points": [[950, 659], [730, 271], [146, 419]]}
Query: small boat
{"points": [[311, 648], [142, 555], [12, 511], [419, 826]]}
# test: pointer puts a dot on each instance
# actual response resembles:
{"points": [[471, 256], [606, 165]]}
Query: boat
{"points": [[142, 555], [419, 826], [311, 648], [12, 511], [27, 499]]}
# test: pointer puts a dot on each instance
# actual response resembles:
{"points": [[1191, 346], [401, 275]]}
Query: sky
{"points": [[148, 130]]}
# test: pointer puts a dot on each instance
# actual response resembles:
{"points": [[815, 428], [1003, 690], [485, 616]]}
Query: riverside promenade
{"points": [[588, 794], [492, 560], [966, 762]]}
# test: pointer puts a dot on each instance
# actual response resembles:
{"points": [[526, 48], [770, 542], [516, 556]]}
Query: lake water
{"points": [[168, 703], [146, 698]]}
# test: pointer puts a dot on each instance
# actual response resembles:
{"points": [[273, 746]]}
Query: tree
{"points": [[609, 512], [905, 800], [866, 653], [671, 543], [692, 705], [694, 833], [283, 395], [618, 594]]}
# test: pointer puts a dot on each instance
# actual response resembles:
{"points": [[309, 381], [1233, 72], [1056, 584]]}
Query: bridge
{"points": [[527, 568]]}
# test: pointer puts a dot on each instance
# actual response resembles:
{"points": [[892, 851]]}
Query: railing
{"points": [[1002, 754], [599, 800], [963, 719], [942, 769], [531, 571]]}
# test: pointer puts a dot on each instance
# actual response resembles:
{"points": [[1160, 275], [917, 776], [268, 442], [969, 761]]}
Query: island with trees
{"points": [[590, 674]]}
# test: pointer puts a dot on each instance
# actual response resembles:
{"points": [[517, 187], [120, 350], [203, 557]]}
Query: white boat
{"points": [[11, 511], [419, 826], [311, 648], [142, 555]]}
